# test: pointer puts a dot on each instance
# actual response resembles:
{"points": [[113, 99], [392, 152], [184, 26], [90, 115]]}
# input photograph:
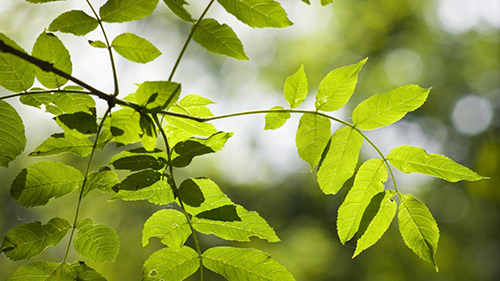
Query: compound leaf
{"points": [[274, 120], [42, 271], [410, 159], [244, 264], [169, 225], [176, 6], [340, 160], [37, 184], [126, 10], [50, 49], [135, 48], [75, 22], [16, 74], [219, 39], [337, 87], [30, 239], [296, 88], [368, 182], [185, 151], [418, 228], [62, 143], [171, 264], [384, 109], [257, 13], [312, 137], [376, 220], [12, 135], [96, 242]]}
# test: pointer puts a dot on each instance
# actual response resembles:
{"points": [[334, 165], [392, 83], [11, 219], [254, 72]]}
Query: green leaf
{"points": [[96, 242], [219, 39], [244, 264], [384, 109], [12, 135], [274, 120], [37, 99], [156, 95], [73, 102], [184, 152], [340, 160], [16, 74], [376, 220], [257, 13], [226, 213], [169, 225], [312, 137], [149, 135], [176, 6], [98, 44], [326, 2], [191, 127], [104, 180], [195, 105], [125, 126], [307, 2], [30, 239], [42, 271], [126, 10], [79, 124], [296, 88], [247, 225], [139, 159], [200, 195], [62, 143], [75, 22], [140, 180], [337, 87], [37, 184], [146, 185], [410, 159], [171, 265], [368, 182], [42, 1], [418, 228], [50, 49], [135, 48], [83, 272]]}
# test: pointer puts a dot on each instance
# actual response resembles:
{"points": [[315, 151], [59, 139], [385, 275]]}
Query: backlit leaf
{"points": [[146, 185], [368, 182], [12, 135], [49, 48], [296, 88], [79, 124], [337, 87], [135, 48], [76, 22], [257, 13], [98, 44], [201, 194], [96, 242], [312, 137], [73, 102], [326, 2], [184, 152], [37, 99], [104, 180], [30, 239], [177, 7], [376, 220], [384, 109], [16, 74], [418, 228], [274, 120], [156, 95], [169, 225], [139, 159], [37, 184], [171, 264], [126, 10], [125, 126], [340, 160], [219, 39], [62, 143], [42, 271], [410, 159], [244, 264]]}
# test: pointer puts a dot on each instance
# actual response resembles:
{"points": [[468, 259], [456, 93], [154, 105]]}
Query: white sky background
{"points": [[252, 155]]}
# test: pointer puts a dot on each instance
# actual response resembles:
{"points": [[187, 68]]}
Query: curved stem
{"points": [[85, 178], [175, 189], [184, 48]]}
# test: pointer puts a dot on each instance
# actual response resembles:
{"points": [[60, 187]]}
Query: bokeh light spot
{"points": [[472, 115]]}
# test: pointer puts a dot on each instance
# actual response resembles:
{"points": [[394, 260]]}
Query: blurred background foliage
{"points": [[452, 46]]}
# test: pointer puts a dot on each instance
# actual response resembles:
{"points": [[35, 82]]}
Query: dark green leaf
{"points": [[250, 264], [257, 13], [185, 151], [49, 48], [340, 160], [219, 39], [62, 143], [308, 3], [83, 272], [79, 124], [171, 264], [169, 225], [160, 193], [274, 120], [30, 239], [135, 48], [138, 159], [325, 2], [191, 194], [296, 88], [98, 44], [126, 10], [42, 271], [177, 7], [76, 22], [16, 74], [226, 213], [37, 184], [312, 137], [140, 180], [12, 135], [96, 242]]}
